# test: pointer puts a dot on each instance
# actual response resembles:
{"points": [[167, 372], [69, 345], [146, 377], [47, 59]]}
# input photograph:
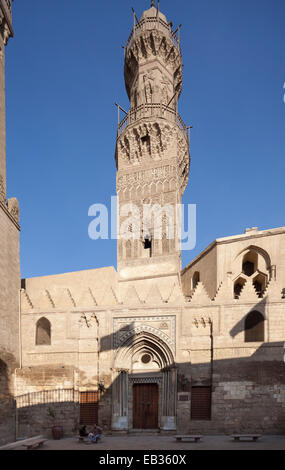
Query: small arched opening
{"points": [[43, 332], [195, 279]]}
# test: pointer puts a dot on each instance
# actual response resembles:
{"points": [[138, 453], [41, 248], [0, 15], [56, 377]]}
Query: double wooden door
{"points": [[145, 406]]}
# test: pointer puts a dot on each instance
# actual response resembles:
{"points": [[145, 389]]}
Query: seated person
{"points": [[95, 435]]}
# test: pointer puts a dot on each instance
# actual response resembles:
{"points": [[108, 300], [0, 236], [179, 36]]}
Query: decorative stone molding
{"points": [[88, 320], [126, 327], [156, 45], [71, 298], [150, 140], [203, 321], [13, 207], [49, 298], [27, 299], [148, 329], [145, 380], [161, 175], [2, 190]]}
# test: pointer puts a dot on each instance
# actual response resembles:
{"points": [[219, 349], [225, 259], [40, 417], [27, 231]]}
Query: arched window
{"points": [[195, 279], [43, 332], [254, 327]]}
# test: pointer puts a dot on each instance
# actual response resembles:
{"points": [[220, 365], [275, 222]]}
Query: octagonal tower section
{"points": [[152, 152]]}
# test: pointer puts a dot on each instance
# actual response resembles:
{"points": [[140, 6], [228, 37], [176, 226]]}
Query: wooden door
{"points": [[145, 406]]}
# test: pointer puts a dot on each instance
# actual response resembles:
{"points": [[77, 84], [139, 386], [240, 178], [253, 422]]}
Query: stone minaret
{"points": [[10, 280], [6, 31], [152, 152]]}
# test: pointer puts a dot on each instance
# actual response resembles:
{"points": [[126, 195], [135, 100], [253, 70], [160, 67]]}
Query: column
{"points": [[169, 398], [120, 401]]}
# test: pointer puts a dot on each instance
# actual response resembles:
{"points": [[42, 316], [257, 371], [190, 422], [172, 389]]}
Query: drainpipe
{"points": [[20, 332], [212, 357]]}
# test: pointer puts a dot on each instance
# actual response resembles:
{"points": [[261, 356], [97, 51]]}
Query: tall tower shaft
{"points": [[6, 31], [152, 152]]}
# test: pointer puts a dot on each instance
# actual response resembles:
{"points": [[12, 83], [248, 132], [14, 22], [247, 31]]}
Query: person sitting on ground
{"points": [[95, 435]]}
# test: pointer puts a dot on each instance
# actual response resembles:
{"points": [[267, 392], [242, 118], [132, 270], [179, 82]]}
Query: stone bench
{"points": [[34, 444], [193, 438], [251, 437]]}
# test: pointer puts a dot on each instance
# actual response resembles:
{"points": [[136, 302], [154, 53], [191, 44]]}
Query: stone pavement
{"points": [[156, 442]]}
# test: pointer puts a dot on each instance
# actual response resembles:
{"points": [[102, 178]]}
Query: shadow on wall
{"points": [[260, 308]]}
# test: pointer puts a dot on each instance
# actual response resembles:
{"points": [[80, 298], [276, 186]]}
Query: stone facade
{"points": [[10, 280], [209, 339]]}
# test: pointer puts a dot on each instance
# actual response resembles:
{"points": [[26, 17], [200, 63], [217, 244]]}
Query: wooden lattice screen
{"points": [[201, 403], [88, 408]]}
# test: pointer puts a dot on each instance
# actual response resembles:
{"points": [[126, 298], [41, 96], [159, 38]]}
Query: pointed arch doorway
{"points": [[144, 384]]}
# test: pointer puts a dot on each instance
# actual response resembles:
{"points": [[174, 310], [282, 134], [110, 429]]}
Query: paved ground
{"points": [[154, 442]]}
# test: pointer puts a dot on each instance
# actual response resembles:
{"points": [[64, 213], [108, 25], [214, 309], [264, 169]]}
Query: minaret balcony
{"points": [[153, 110], [153, 23], [6, 9]]}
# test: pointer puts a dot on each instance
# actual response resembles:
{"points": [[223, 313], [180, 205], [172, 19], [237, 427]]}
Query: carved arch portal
{"points": [[143, 357]]}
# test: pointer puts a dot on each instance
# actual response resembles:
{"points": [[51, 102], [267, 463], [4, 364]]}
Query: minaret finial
{"points": [[152, 3]]}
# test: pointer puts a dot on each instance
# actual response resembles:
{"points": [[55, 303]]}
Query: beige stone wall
{"points": [[91, 338], [206, 265], [220, 264], [232, 249], [2, 121], [10, 283], [9, 320]]}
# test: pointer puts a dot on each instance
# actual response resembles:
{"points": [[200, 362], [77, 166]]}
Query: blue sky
{"points": [[64, 73]]}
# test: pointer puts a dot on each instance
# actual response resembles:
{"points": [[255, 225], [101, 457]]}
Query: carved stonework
{"points": [[152, 152], [137, 325], [88, 320], [152, 45], [151, 140], [160, 174], [2, 190], [13, 207]]}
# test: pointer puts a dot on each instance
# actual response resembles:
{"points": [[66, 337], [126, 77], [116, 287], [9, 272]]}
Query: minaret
{"points": [[152, 151], [6, 31]]}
